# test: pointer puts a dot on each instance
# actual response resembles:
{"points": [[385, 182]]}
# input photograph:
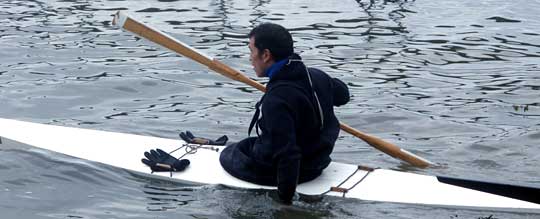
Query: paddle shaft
{"points": [[124, 21]]}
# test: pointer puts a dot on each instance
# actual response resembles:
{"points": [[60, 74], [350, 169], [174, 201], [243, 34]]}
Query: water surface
{"points": [[456, 82]]}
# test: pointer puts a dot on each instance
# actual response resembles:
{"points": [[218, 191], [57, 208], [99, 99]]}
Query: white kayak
{"points": [[339, 179]]}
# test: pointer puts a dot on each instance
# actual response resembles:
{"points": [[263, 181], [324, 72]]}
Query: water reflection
{"points": [[209, 201], [162, 198]]}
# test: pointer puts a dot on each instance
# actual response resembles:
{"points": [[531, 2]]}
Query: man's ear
{"points": [[267, 56]]}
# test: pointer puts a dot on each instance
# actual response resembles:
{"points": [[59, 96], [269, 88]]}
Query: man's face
{"points": [[260, 60]]}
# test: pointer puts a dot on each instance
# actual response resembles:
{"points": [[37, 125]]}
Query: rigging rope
{"points": [[338, 188]]}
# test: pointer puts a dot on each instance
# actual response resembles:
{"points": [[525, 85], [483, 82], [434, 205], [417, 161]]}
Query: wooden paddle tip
{"points": [[415, 159], [120, 18]]}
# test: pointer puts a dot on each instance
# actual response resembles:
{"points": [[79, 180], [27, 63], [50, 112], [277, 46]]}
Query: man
{"points": [[295, 122]]}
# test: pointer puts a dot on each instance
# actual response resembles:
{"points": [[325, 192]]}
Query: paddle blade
{"points": [[524, 193]]}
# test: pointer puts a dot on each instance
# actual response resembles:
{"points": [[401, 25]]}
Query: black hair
{"points": [[273, 37]]}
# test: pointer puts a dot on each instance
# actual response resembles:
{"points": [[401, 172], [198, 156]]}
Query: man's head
{"points": [[269, 43]]}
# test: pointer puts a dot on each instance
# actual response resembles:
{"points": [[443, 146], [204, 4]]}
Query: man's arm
{"points": [[279, 119]]}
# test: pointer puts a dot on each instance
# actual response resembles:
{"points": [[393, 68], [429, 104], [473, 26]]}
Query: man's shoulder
{"points": [[286, 91], [284, 86], [318, 73]]}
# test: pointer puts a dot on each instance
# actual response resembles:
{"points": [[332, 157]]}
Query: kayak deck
{"points": [[338, 179]]}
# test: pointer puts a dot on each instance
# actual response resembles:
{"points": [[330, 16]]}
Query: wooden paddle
{"points": [[126, 22]]}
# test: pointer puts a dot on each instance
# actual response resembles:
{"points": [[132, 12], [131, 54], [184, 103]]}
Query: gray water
{"points": [[456, 82]]}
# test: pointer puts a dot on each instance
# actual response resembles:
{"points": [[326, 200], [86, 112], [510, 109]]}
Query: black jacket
{"points": [[293, 144]]}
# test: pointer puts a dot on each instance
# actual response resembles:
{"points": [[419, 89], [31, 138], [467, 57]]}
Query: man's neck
{"points": [[275, 67]]}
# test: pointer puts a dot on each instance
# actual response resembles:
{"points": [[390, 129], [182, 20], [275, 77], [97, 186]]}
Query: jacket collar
{"points": [[276, 67], [292, 69]]}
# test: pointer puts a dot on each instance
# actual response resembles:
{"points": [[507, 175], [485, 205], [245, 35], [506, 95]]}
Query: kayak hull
{"points": [[338, 179]]}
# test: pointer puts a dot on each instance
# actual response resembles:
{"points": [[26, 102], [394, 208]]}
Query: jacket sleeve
{"points": [[340, 92], [279, 119]]}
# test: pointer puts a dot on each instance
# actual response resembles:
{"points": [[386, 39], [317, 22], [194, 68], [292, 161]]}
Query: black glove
{"points": [[160, 161], [189, 138]]}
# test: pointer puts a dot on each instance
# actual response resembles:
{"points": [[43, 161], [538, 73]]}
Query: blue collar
{"points": [[275, 67]]}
